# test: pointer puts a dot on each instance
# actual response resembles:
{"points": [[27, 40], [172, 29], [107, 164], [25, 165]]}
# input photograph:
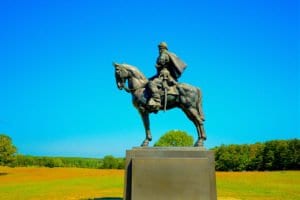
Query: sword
{"points": [[166, 99], [164, 74], [166, 94]]}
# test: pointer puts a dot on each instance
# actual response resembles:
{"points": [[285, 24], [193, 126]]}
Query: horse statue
{"points": [[188, 98]]}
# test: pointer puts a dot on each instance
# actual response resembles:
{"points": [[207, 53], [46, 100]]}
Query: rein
{"points": [[124, 80], [129, 90]]}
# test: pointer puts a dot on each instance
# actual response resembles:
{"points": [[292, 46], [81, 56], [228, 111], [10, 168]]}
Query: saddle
{"points": [[171, 90]]}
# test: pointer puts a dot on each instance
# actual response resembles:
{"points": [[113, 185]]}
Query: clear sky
{"points": [[57, 86]]}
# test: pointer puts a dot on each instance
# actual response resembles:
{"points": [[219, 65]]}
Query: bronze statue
{"points": [[164, 90], [169, 68]]}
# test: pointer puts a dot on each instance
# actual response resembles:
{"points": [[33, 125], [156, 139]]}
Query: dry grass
{"points": [[33, 174], [59, 183], [74, 183]]}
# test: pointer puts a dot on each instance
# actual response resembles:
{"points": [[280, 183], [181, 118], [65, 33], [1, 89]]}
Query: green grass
{"points": [[76, 184], [279, 185], [60, 183], [62, 189]]}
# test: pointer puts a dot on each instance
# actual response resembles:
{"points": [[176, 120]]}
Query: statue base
{"points": [[170, 173]]}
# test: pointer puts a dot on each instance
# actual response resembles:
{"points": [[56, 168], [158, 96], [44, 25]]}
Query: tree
{"points": [[271, 155], [256, 157], [7, 150], [110, 162], [175, 138], [232, 157], [293, 160], [52, 162]]}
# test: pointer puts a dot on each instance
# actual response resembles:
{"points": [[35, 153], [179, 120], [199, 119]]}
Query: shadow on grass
{"points": [[104, 198], [3, 173]]}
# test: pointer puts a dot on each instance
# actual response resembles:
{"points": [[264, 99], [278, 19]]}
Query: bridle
{"points": [[122, 82]]}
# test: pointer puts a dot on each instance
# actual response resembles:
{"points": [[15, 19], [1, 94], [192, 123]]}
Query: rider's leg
{"points": [[155, 96]]}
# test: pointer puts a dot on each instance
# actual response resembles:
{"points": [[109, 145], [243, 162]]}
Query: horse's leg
{"points": [[145, 118], [201, 135], [193, 114], [198, 121], [199, 118]]}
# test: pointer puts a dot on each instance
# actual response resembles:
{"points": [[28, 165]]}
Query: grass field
{"points": [[74, 183], [279, 185]]}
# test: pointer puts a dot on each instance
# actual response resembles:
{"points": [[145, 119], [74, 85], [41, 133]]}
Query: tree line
{"points": [[9, 157], [270, 155], [108, 162]]}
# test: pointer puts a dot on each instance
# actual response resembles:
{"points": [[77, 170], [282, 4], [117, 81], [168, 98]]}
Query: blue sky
{"points": [[58, 93]]}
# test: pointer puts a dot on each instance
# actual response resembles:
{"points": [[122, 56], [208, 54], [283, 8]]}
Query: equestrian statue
{"points": [[162, 91]]}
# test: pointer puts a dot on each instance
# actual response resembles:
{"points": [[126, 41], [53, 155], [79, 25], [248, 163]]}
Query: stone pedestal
{"points": [[177, 173]]}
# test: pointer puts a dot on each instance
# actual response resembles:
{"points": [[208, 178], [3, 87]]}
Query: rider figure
{"points": [[169, 68]]}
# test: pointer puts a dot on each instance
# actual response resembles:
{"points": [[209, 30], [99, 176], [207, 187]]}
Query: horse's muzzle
{"points": [[120, 85]]}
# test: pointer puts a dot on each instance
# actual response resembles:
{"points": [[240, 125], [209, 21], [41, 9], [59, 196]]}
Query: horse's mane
{"points": [[134, 70]]}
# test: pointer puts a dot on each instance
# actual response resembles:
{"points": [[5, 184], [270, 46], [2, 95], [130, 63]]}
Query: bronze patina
{"points": [[169, 68], [162, 91]]}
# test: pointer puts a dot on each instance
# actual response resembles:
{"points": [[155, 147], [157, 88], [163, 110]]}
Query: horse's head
{"points": [[124, 72], [121, 75]]}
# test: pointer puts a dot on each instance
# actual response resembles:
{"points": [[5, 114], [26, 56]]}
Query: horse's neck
{"points": [[137, 79], [135, 83]]}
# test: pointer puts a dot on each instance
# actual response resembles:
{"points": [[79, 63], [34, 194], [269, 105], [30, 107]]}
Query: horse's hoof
{"points": [[199, 143], [145, 143]]}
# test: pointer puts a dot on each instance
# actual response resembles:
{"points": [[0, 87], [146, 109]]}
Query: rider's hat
{"points": [[163, 45]]}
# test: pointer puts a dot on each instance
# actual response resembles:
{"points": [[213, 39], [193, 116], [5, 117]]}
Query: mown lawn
{"points": [[278, 185], [59, 183], [74, 183]]}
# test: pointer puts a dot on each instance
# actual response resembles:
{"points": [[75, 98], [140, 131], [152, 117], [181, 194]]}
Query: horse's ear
{"points": [[115, 64]]}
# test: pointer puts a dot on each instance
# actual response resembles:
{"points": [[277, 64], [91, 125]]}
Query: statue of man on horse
{"points": [[148, 94], [169, 69]]}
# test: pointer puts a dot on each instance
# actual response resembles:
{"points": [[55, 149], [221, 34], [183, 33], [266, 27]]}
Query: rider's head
{"points": [[162, 45]]}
